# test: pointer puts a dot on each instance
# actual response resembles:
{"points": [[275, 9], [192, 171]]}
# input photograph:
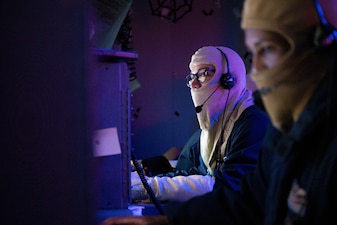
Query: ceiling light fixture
{"points": [[171, 9]]}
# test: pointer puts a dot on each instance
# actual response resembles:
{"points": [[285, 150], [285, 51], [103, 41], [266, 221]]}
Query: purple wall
{"points": [[163, 107], [45, 147]]}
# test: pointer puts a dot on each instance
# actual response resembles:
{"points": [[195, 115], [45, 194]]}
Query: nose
{"points": [[257, 64], [253, 70], [195, 83]]}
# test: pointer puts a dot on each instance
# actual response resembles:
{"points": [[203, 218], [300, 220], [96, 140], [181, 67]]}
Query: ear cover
{"points": [[227, 80], [325, 32]]}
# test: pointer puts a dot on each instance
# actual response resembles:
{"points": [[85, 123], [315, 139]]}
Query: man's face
{"points": [[200, 75], [266, 47]]}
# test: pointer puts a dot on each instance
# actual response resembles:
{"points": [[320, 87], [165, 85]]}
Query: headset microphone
{"points": [[198, 108], [267, 90], [271, 88]]}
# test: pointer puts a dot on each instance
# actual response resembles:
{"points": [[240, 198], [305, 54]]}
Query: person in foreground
{"points": [[295, 182], [231, 130]]}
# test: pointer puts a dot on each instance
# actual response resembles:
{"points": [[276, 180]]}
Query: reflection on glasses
{"points": [[201, 75]]}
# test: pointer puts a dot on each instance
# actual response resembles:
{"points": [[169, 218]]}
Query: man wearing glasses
{"points": [[231, 128]]}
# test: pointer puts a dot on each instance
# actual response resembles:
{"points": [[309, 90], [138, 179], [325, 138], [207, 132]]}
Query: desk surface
{"points": [[148, 210]]}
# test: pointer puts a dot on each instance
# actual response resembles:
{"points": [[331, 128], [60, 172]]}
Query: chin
{"points": [[282, 124]]}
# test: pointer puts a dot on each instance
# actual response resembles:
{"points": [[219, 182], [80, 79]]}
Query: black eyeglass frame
{"points": [[201, 73]]}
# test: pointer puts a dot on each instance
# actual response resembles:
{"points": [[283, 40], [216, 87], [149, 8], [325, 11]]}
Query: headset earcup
{"points": [[325, 33], [324, 36], [227, 80]]}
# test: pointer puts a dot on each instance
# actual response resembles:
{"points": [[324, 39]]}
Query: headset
{"points": [[325, 32], [227, 80]]}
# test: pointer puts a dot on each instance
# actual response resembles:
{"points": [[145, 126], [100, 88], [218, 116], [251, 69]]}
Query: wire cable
{"points": [[145, 184]]}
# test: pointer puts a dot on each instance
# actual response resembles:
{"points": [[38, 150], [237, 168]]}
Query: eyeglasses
{"points": [[201, 75]]}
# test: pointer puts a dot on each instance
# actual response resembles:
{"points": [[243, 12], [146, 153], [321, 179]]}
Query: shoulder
{"points": [[194, 138], [253, 115], [192, 143], [252, 122]]}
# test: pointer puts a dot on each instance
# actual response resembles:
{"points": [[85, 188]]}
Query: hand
{"points": [[138, 192], [136, 220], [135, 179]]}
